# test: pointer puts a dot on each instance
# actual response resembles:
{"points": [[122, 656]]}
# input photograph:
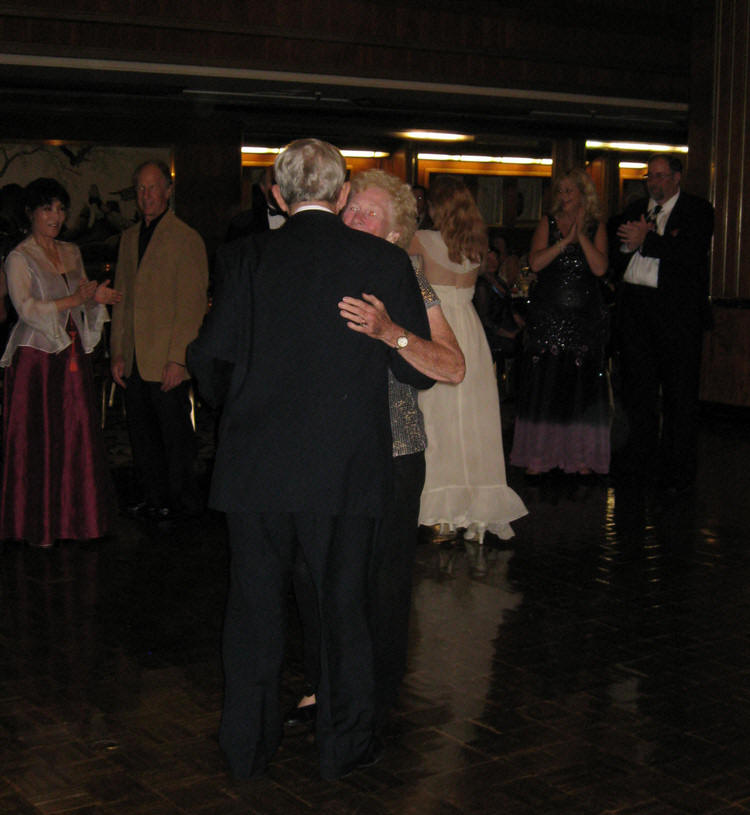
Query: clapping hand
{"points": [[105, 295], [633, 233]]}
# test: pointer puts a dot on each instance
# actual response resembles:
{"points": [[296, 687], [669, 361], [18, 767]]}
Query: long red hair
{"points": [[456, 215]]}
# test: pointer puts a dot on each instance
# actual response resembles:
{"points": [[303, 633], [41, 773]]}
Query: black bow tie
{"points": [[651, 217]]}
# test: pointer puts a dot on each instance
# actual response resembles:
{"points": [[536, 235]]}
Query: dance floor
{"points": [[597, 663]]}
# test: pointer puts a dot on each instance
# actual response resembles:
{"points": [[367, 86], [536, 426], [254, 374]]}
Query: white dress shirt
{"points": [[643, 270]]}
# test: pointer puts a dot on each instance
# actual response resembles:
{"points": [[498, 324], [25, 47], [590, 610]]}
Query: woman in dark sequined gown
{"points": [[563, 416]]}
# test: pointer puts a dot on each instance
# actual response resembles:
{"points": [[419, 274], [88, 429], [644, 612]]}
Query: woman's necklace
{"points": [[52, 254]]}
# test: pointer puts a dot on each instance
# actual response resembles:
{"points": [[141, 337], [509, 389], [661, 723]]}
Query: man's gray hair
{"points": [[310, 170]]}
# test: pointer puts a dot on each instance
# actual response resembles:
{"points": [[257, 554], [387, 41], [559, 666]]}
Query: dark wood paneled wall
{"points": [[731, 272], [726, 366], [699, 163], [208, 173], [581, 47], [585, 48], [725, 372]]}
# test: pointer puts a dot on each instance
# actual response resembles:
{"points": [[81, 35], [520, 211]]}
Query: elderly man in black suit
{"points": [[662, 311], [304, 454]]}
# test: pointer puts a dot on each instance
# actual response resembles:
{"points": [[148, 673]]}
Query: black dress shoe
{"points": [[676, 489], [164, 518], [301, 717], [160, 513], [140, 509], [369, 758], [373, 754]]}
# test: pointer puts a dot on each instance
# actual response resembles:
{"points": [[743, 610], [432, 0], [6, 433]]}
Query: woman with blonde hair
{"points": [[465, 484], [562, 418]]}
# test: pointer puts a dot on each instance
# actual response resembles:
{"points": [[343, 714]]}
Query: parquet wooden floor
{"points": [[600, 665]]}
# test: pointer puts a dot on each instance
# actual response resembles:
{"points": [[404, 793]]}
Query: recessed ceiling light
{"points": [[260, 151], [434, 135], [635, 145], [364, 154], [483, 159]]}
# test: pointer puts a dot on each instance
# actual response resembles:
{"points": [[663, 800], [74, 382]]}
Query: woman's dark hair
{"points": [[44, 191]]}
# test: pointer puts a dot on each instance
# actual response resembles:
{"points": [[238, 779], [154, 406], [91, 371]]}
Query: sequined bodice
{"points": [[567, 282], [566, 310]]}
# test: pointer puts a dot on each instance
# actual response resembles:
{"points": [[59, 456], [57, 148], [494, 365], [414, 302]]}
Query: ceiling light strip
{"points": [[483, 159], [216, 72], [272, 151], [636, 146]]}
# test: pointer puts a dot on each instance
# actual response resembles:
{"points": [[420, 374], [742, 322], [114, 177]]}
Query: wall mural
{"points": [[98, 179]]}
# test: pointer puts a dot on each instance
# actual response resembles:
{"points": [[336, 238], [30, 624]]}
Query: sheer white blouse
{"points": [[34, 284]]}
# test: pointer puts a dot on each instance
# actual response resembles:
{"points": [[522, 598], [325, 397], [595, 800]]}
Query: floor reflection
{"points": [[596, 663]]}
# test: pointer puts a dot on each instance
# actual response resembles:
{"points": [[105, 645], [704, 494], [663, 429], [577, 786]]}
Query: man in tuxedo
{"points": [[162, 271], [304, 453], [662, 310], [263, 214]]}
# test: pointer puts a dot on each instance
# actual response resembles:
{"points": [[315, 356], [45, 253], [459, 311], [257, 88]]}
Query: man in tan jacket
{"points": [[162, 270]]}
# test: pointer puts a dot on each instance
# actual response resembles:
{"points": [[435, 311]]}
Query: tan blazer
{"points": [[164, 298]]}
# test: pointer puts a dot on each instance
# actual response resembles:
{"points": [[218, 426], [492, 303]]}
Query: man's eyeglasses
{"points": [[656, 176]]}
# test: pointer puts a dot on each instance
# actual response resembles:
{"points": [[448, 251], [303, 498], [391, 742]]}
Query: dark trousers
{"points": [[337, 551], [389, 588], [163, 441], [659, 351]]}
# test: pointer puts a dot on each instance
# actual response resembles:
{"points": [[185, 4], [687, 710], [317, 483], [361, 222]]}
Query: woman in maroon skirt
{"points": [[56, 484]]}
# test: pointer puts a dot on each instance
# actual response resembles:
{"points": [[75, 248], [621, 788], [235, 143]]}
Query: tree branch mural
{"points": [[8, 158]]}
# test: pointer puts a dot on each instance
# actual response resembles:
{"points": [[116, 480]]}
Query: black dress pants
{"points": [[660, 351], [163, 442], [337, 551], [390, 576]]}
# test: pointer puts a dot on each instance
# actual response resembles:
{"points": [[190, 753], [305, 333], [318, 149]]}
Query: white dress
{"points": [[465, 483]]}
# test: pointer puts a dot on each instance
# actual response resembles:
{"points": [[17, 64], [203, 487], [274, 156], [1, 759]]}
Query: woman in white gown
{"points": [[465, 485]]}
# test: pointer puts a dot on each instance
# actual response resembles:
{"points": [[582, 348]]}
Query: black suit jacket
{"points": [[683, 253], [250, 221], [305, 425]]}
